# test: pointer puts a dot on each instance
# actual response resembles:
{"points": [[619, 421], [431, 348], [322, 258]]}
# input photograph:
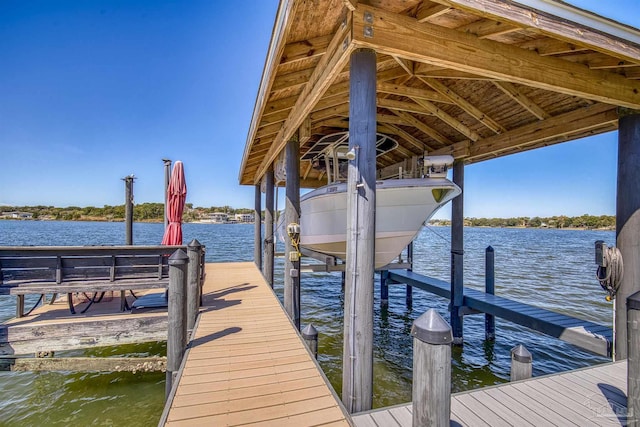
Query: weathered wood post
{"points": [[633, 360], [357, 372], [128, 220], [167, 175], [431, 392], [384, 288], [269, 235], [490, 288], [257, 228], [408, 298], [627, 219], [128, 209], [521, 363], [193, 287], [177, 321], [310, 337], [457, 255], [292, 219]]}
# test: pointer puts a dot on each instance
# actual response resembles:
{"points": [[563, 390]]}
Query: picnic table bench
{"points": [[67, 270]]}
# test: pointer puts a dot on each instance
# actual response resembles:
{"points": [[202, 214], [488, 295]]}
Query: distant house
{"points": [[244, 217], [17, 215], [219, 217]]}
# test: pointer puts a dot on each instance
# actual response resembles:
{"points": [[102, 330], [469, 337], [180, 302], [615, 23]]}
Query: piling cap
{"points": [[179, 257], [520, 354], [310, 332], [194, 244], [633, 302], [432, 328]]}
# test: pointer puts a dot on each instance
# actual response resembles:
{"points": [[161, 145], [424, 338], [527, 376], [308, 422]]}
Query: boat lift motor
{"points": [[293, 231], [437, 166]]}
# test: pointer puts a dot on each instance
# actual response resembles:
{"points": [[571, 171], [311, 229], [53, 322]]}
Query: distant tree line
{"points": [[152, 212], [583, 221]]}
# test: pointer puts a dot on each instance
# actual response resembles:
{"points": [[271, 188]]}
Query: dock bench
{"points": [[67, 270]]}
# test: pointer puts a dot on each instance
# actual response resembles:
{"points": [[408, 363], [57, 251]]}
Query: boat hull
{"points": [[402, 207]]}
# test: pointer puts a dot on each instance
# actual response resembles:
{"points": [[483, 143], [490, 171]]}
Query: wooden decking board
{"points": [[246, 363], [584, 397], [247, 392]]}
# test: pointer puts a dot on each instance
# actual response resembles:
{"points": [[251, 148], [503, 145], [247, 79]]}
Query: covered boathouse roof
{"points": [[476, 79]]}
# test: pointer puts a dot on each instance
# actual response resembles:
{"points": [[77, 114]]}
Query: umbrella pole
{"points": [[167, 174]]}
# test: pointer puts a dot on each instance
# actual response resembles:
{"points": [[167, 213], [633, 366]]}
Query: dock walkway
{"points": [[247, 363], [593, 396], [583, 333]]}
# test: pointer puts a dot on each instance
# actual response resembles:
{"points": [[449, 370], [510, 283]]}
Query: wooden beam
{"points": [[412, 92], [427, 13], [411, 107], [523, 16], [438, 72], [403, 36], [304, 132], [422, 127], [514, 93], [469, 108], [487, 28], [406, 65], [574, 122], [390, 119], [291, 81], [338, 110], [305, 49], [415, 142], [442, 115], [329, 66], [547, 46], [91, 364]]}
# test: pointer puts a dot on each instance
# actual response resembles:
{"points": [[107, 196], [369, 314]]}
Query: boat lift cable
{"points": [[437, 234]]}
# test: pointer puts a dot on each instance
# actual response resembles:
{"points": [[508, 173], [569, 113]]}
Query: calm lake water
{"points": [[548, 268]]}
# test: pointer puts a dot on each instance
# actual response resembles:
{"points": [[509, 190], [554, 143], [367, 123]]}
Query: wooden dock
{"points": [[582, 333], [247, 363], [51, 327], [593, 396]]}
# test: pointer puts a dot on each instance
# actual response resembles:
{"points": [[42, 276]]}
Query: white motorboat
{"points": [[403, 204]]}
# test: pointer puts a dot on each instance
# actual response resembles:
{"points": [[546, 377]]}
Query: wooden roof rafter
{"points": [[424, 42]]}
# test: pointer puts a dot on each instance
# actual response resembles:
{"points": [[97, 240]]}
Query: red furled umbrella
{"points": [[176, 195]]}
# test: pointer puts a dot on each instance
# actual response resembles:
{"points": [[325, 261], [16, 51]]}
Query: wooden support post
{"points": [[177, 321], [269, 235], [167, 175], [128, 209], [627, 220], [384, 288], [128, 219], [431, 370], [292, 219], [310, 337], [633, 360], [357, 372], [257, 229], [457, 255], [193, 288], [20, 306], [521, 363], [489, 288], [408, 298]]}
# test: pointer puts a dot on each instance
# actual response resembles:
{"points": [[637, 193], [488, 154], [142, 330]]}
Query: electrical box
{"points": [[600, 249], [294, 256], [293, 229]]}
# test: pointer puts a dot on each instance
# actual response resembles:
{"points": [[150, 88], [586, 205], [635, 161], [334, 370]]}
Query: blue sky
{"points": [[92, 91]]}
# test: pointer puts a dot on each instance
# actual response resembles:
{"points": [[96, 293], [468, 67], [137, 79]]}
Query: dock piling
{"points": [[521, 363], [457, 255], [193, 287], [257, 228], [384, 288], [310, 337], [627, 219], [269, 242], [292, 219], [177, 321], [633, 360], [409, 289], [489, 288], [432, 338]]}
